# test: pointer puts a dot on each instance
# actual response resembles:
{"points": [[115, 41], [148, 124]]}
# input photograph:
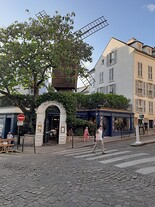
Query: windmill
{"points": [[59, 82]]}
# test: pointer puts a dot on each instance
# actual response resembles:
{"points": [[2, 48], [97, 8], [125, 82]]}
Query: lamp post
{"points": [[96, 124], [96, 114]]}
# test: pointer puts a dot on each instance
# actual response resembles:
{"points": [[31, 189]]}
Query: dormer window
{"points": [[139, 46]]}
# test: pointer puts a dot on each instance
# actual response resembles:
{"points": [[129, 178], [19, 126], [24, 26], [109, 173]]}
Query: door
{"points": [[7, 126], [51, 125]]}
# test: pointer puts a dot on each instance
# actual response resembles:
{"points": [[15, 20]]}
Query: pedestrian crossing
{"points": [[115, 157], [108, 155]]}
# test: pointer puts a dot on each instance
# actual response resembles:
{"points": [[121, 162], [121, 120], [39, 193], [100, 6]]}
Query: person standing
{"points": [[86, 135], [99, 140]]}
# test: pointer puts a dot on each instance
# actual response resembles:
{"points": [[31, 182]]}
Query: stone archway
{"points": [[41, 118]]}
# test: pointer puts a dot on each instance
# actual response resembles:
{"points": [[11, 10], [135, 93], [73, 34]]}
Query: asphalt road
{"points": [[61, 177]]}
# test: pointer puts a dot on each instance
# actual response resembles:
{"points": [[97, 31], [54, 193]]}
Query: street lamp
{"points": [[96, 114]]}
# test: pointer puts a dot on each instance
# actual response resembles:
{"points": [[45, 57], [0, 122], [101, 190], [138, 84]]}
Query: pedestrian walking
{"points": [[86, 135], [99, 140]]}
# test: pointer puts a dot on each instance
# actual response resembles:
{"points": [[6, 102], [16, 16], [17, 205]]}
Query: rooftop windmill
{"points": [[59, 82]]}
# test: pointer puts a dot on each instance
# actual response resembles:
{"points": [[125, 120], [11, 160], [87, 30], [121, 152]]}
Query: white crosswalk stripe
{"points": [[92, 154], [88, 151], [136, 162], [115, 159], [146, 170], [108, 155], [70, 151]]}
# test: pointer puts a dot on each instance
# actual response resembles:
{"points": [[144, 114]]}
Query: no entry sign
{"points": [[21, 117]]}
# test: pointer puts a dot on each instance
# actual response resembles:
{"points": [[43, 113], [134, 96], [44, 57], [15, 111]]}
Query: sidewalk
{"points": [[144, 139]]}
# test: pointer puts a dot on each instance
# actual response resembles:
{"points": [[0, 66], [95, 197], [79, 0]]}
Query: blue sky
{"points": [[126, 18]]}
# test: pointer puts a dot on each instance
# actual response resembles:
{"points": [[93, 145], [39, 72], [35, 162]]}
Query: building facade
{"points": [[128, 68], [114, 122]]}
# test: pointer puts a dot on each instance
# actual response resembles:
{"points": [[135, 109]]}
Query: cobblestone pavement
{"points": [[58, 177]]}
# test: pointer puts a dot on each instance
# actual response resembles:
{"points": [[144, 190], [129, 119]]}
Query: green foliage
{"points": [[28, 52], [92, 101], [65, 98], [71, 102], [81, 125], [30, 49]]}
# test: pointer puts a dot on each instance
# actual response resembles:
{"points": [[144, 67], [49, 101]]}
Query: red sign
{"points": [[21, 117]]}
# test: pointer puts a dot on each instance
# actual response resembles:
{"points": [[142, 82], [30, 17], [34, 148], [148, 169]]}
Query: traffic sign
{"points": [[20, 123], [141, 116], [21, 117]]}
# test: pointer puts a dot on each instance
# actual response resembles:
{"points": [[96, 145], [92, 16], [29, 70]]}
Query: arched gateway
{"points": [[42, 120]]}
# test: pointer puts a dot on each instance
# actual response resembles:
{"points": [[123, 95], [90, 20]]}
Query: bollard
{"points": [[34, 145], [137, 135], [72, 141], [23, 145]]}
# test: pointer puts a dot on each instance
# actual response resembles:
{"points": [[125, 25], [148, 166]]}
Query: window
{"points": [[150, 107], [112, 58], [149, 51], [140, 105], [150, 90], [101, 77], [102, 89], [111, 74], [140, 88], [112, 88], [120, 123], [150, 72], [140, 72], [139, 46], [102, 61]]}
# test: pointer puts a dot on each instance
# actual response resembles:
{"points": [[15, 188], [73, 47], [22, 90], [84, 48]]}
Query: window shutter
{"points": [[103, 89], [114, 88], [147, 89], [115, 56], [136, 87], [108, 60], [144, 107], [143, 89], [136, 105], [154, 90], [106, 89]]}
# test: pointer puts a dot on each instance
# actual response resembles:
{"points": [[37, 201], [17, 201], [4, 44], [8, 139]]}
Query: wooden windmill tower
{"points": [[59, 80]]}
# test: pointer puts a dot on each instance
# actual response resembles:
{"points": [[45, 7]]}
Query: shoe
{"points": [[93, 151], [103, 153]]}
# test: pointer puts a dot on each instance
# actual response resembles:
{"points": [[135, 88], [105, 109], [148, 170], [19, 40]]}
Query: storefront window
{"points": [[120, 123]]}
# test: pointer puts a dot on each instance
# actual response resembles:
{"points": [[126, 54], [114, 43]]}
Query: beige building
{"points": [[128, 68]]}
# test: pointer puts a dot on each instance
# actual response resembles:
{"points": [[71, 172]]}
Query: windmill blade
{"points": [[41, 15], [85, 31], [92, 27], [87, 78]]}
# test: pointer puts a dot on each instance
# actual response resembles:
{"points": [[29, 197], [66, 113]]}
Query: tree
{"points": [[29, 50]]}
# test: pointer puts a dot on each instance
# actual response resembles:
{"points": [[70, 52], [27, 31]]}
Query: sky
{"points": [[126, 18]]}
